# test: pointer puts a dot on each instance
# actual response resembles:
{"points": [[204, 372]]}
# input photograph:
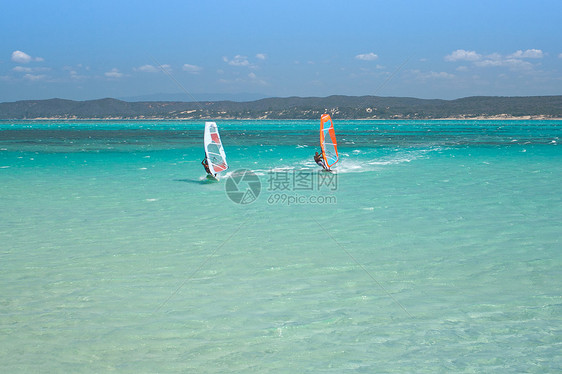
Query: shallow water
{"points": [[435, 247]]}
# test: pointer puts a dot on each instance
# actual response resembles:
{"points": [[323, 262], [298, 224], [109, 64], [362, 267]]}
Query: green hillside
{"points": [[343, 107]]}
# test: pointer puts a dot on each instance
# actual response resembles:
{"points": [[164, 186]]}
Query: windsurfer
{"points": [[319, 159], [206, 165]]}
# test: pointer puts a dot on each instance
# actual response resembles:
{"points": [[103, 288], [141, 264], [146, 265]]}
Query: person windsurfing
{"points": [[206, 166], [319, 159]]}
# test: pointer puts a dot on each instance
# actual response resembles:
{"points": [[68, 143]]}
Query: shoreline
{"points": [[477, 118], [292, 108]]}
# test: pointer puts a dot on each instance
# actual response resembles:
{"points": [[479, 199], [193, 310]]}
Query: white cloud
{"points": [[250, 78], [560, 55], [441, 75], [494, 59], [497, 60], [34, 77], [74, 74], [21, 69], [152, 68], [529, 53], [147, 69], [74, 71], [514, 61], [515, 64], [238, 60], [462, 55], [433, 75], [193, 69], [24, 69], [367, 56], [230, 81], [114, 73], [254, 79], [23, 58], [261, 56]]}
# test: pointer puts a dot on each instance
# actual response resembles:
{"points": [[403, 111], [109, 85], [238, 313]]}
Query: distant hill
{"points": [[342, 107], [182, 96]]}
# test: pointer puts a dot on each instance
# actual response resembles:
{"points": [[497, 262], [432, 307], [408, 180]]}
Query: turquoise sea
{"points": [[435, 247]]}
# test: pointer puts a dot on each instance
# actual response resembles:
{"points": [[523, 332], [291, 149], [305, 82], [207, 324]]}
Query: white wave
{"points": [[360, 161], [346, 166], [355, 165]]}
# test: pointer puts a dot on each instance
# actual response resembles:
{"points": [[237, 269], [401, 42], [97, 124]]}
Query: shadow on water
{"points": [[196, 181]]}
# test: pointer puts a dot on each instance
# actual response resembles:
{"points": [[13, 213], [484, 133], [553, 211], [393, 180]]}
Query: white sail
{"points": [[214, 151]]}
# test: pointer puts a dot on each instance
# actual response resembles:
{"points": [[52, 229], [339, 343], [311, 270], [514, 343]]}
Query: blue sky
{"points": [[446, 49]]}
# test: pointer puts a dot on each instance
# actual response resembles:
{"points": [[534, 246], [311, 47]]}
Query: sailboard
{"points": [[216, 158], [328, 141]]}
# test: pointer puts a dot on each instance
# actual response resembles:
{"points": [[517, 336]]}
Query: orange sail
{"points": [[328, 140]]}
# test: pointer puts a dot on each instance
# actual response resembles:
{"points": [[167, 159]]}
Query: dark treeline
{"points": [[342, 107]]}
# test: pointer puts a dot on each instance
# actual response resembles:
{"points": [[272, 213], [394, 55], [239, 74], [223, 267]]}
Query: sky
{"points": [[82, 50]]}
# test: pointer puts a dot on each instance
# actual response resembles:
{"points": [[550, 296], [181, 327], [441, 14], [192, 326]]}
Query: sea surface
{"points": [[433, 247]]}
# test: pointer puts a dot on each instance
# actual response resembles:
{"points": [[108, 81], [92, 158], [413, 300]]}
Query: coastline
{"points": [[292, 108], [476, 118], [499, 117]]}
